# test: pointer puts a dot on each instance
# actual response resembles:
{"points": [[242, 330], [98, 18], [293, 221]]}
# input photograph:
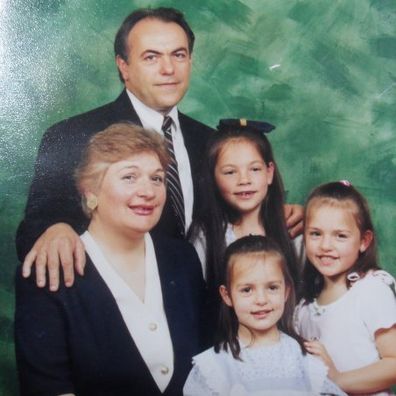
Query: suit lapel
{"points": [[192, 141], [123, 110]]}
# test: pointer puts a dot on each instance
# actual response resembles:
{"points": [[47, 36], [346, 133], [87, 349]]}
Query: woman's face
{"points": [[132, 195], [242, 176]]}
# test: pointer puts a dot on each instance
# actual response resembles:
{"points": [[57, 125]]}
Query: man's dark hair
{"points": [[163, 14]]}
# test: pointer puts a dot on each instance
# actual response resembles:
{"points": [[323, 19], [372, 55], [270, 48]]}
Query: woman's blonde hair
{"points": [[115, 143]]}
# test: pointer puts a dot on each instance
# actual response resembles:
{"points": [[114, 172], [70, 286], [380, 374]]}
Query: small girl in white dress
{"points": [[349, 306], [257, 351]]}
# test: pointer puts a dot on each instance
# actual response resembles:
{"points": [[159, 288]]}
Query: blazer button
{"points": [[164, 370], [153, 326]]}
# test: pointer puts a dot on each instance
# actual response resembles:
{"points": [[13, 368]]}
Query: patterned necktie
{"points": [[174, 186]]}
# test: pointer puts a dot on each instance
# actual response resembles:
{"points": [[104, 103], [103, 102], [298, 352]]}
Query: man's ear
{"points": [[122, 67], [366, 240], [225, 295]]}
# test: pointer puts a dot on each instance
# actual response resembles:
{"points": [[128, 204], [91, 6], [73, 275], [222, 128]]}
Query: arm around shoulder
{"points": [[53, 197], [59, 246]]}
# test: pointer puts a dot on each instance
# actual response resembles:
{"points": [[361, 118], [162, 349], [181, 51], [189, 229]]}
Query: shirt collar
{"points": [[152, 119]]}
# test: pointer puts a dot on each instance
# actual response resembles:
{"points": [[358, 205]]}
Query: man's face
{"points": [[159, 63]]}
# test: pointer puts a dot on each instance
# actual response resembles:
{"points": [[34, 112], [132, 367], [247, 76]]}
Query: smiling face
{"points": [[242, 176], [333, 240], [131, 196], [258, 294], [159, 63]]}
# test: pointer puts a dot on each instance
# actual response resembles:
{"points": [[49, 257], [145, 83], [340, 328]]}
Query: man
{"points": [[153, 49]]}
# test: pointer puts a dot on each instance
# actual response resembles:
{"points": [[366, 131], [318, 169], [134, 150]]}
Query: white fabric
{"points": [[347, 326], [151, 119], [146, 321], [275, 370], [199, 243]]}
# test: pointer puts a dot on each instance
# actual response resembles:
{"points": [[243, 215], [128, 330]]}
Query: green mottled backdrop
{"points": [[323, 71]]}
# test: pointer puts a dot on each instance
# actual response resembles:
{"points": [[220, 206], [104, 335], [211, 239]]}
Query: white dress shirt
{"points": [[146, 321], [151, 119]]}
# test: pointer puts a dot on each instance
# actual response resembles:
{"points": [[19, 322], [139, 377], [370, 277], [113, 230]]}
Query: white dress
{"points": [[277, 370], [347, 326]]}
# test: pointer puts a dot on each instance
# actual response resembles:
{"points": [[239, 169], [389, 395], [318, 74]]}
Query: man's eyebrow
{"points": [[151, 51], [180, 49], [156, 52]]}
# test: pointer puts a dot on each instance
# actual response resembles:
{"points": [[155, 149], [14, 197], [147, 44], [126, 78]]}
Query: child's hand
{"points": [[317, 348]]}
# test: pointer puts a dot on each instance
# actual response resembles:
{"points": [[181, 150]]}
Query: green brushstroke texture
{"points": [[333, 97]]}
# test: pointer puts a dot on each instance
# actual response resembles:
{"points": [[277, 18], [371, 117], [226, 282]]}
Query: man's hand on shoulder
{"points": [[58, 246], [294, 219]]}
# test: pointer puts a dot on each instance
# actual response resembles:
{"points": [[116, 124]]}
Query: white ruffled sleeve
{"points": [[207, 376], [378, 301], [196, 384]]}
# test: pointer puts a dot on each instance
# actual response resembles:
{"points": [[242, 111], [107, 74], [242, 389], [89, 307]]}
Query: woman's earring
{"points": [[92, 202]]}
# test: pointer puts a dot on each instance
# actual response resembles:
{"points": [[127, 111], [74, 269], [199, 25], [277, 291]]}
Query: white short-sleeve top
{"points": [[347, 326]]}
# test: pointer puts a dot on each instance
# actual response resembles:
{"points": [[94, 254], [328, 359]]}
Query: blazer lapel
{"points": [[192, 140], [123, 110]]}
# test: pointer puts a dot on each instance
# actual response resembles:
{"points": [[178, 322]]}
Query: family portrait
{"points": [[198, 198]]}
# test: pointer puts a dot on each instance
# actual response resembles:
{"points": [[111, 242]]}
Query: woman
{"points": [[132, 323]]}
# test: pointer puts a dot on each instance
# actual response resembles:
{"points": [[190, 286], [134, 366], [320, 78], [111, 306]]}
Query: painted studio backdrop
{"points": [[324, 72]]}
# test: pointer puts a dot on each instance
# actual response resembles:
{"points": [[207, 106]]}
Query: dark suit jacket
{"points": [[75, 340], [53, 196]]}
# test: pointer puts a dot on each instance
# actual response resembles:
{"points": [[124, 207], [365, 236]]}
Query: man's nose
{"points": [[167, 66]]}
